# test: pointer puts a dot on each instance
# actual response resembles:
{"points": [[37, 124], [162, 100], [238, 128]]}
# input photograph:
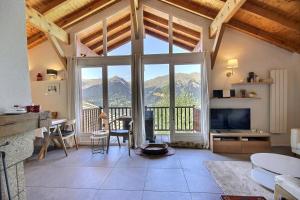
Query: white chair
{"points": [[286, 187], [295, 140]]}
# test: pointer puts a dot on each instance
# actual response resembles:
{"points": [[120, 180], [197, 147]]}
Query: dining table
{"points": [[45, 134]]}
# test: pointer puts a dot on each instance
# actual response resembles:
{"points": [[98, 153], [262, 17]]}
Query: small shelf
{"points": [[239, 98], [254, 83]]}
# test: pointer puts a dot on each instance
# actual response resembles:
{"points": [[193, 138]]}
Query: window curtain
{"points": [[204, 114], [73, 96], [138, 100]]}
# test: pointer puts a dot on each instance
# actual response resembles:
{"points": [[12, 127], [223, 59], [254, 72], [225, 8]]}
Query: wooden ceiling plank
{"points": [[266, 36], [134, 6], [109, 28], [233, 23], [251, 7], [193, 7], [77, 15], [225, 14], [40, 22], [81, 13], [49, 6]]}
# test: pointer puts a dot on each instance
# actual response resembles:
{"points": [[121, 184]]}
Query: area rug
{"points": [[171, 151], [233, 177]]}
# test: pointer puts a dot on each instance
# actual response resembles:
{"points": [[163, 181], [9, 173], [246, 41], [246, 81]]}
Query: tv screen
{"points": [[230, 119]]}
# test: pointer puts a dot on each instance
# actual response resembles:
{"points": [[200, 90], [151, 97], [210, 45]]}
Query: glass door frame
{"points": [[172, 60], [103, 62]]}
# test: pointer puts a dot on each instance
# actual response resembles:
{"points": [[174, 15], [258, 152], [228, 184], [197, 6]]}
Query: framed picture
{"points": [[52, 89]]}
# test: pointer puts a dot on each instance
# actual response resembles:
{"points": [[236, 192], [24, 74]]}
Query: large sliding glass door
{"points": [[91, 98], [119, 91], [157, 99], [172, 93], [105, 87], [187, 98]]}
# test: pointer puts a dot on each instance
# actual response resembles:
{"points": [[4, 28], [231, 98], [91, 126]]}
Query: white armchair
{"points": [[295, 141]]}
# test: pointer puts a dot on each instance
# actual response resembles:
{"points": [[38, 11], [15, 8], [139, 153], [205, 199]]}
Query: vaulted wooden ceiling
{"points": [[274, 21]]}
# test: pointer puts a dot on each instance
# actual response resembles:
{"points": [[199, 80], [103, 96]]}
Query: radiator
{"points": [[278, 101]]}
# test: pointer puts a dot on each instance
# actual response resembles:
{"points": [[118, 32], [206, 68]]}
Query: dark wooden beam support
{"points": [[134, 4], [216, 46]]}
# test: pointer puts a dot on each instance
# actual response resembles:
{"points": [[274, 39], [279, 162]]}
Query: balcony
{"points": [[187, 118]]}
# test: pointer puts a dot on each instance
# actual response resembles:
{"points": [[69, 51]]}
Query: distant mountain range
{"points": [[119, 90]]}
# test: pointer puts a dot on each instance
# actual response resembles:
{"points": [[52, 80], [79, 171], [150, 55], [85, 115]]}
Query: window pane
{"points": [[123, 50], [91, 87], [119, 86], [92, 99], [187, 98], [157, 98], [152, 45]]}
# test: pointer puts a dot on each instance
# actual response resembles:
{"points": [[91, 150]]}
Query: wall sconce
{"points": [[52, 73], [231, 64]]}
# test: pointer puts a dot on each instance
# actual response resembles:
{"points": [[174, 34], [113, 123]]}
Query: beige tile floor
{"points": [[116, 176]]}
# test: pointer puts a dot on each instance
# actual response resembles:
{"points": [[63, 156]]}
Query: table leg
{"points": [[43, 151]]}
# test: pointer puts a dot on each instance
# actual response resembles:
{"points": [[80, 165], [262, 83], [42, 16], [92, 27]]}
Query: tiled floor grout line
{"points": [[147, 171], [97, 189], [187, 184]]}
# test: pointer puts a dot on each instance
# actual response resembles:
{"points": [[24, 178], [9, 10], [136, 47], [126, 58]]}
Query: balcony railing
{"points": [[187, 118]]}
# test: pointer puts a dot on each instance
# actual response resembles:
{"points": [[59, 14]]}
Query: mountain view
{"points": [[187, 91]]}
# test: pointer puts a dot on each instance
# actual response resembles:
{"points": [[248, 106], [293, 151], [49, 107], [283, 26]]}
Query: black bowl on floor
{"points": [[154, 149]]}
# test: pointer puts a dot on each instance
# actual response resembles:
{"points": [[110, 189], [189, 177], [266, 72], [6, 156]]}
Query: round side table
{"points": [[98, 141]]}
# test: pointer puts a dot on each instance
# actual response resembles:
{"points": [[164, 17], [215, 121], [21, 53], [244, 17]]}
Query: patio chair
{"points": [[65, 132], [121, 127]]}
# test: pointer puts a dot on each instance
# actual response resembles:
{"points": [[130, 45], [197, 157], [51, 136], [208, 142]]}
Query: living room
{"points": [[150, 99]]}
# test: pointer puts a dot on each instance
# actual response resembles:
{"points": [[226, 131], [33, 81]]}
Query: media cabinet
{"points": [[246, 143]]}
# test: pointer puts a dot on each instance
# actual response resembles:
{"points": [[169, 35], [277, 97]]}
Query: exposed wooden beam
{"points": [[217, 44], [40, 22], [266, 36], [253, 8], [111, 37], [225, 14], [110, 27], [84, 12], [47, 6], [233, 23], [193, 7], [134, 6], [164, 38], [76, 16], [58, 49]]}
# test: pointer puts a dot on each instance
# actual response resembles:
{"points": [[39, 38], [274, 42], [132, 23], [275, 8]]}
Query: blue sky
{"points": [[151, 46]]}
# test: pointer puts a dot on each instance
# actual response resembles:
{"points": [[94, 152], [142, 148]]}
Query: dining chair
{"points": [[120, 127], [64, 132]]}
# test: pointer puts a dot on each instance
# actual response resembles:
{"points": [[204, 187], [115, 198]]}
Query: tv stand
{"points": [[242, 142]]}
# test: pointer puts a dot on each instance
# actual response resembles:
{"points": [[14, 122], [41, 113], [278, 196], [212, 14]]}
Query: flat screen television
{"points": [[230, 119]]}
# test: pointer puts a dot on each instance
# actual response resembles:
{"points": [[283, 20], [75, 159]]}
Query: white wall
{"points": [[14, 79], [259, 57], [54, 103], [41, 58]]}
